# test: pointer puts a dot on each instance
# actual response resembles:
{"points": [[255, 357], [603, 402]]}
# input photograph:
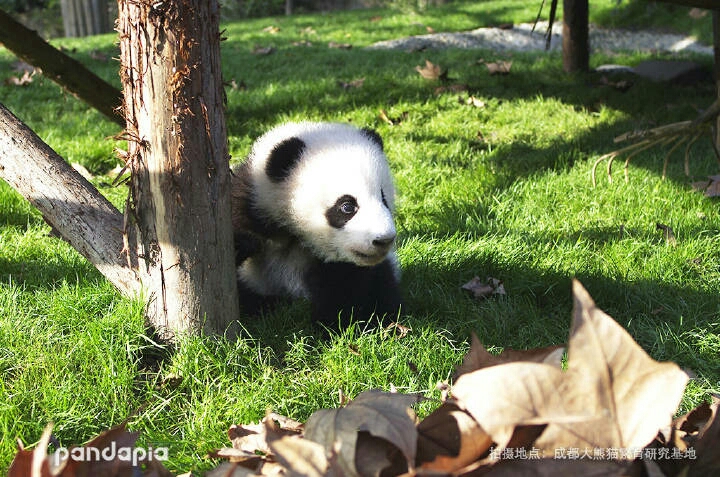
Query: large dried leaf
{"points": [[303, 458], [33, 463], [478, 357], [386, 416], [450, 439], [112, 453], [695, 438], [633, 395], [612, 396], [505, 396]]}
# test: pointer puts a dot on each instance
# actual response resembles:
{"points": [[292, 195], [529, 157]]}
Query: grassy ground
{"points": [[500, 191]]}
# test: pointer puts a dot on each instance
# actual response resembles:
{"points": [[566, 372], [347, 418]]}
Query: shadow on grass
{"points": [[305, 81]]}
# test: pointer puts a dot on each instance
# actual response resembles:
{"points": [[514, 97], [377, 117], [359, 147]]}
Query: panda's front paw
{"points": [[246, 245]]}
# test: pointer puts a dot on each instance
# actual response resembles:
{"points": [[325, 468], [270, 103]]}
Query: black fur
{"points": [[283, 158], [250, 227], [342, 211], [339, 290], [374, 137]]}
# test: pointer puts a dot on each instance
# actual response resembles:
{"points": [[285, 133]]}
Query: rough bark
{"points": [[716, 50], [576, 43], [85, 17], [177, 154], [59, 67], [67, 201]]}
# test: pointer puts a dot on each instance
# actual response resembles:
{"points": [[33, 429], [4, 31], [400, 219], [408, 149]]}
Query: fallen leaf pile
{"points": [[604, 408], [112, 454]]}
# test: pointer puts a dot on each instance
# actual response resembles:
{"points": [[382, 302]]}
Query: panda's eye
{"points": [[342, 211], [348, 208]]}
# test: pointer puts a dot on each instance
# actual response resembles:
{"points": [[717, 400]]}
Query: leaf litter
{"points": [[604, 408]]}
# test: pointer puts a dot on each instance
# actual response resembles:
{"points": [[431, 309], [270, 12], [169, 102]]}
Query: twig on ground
{"points": [[675, 134]]}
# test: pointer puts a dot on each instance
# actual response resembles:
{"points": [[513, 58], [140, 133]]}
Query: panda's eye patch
{"points": [[342, 211], [348, 207]]}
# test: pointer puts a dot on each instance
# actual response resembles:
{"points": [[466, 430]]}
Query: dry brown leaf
{"points": [[450, 439], [272, 29], [631, 395], [392, 121], [253, 438], [693, 440], [499, 67], [235, 86], [478, 357], [505, 396], [24, 80], [383, 415], [34, 463], [302, 457], [612, 396], [112, 453], [249, 438], [356, 83], [473, 101], [399, 331], [431, 71], [711, 187], [707, 443], [245, 458], [340, 46], [483, 289]]}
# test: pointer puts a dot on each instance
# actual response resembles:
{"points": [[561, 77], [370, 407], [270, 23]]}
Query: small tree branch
{"points": [[67, 201], [59, 67]]}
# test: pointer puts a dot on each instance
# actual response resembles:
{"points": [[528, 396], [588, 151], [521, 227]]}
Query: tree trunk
{"points": [[178, 157], [59, 67], [67, 201], [576, 43], [716, 50], [85, 17]]}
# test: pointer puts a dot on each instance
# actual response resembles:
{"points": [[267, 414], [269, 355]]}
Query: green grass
{"points": [[500, 191]]}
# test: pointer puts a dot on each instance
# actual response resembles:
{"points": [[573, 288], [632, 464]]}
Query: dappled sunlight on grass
{"points": [[497, 188]]}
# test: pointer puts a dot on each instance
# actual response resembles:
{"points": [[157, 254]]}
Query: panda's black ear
{"points": [[373, 136], [283, 158]]}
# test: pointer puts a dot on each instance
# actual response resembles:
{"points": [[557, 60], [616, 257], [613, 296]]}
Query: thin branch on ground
{"points": [[673, 135]]}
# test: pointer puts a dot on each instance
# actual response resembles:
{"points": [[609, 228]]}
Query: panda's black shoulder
{"points": [[251, 226]]}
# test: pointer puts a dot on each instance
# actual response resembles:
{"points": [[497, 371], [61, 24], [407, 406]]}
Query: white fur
{"points": [[338, 160]]}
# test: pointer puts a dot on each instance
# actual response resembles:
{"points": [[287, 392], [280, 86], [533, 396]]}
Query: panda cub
{"points": [[312, 213]]}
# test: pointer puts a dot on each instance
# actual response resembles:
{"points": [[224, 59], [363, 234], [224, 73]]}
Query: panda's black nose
{"points": [[384, 241]]}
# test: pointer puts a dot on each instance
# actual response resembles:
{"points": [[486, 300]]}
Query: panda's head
{"points": [[330, 185]]}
